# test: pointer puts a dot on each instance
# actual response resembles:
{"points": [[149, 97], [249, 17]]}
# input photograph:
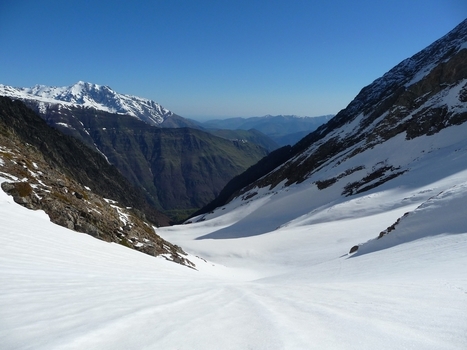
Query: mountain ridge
{"points": [[283, 129], [142, 151], [89, 95], [420, 96]]}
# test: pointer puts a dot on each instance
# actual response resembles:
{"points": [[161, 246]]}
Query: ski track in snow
{"points": [[290, 288], [273, 272]]}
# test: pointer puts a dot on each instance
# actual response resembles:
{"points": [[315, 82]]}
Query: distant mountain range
{"points": [[180, 170], [282, 129]]}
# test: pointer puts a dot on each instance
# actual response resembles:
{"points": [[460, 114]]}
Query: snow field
{"points": [[293, 288], [272, 272]]}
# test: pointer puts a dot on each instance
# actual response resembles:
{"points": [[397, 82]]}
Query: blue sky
{"points": [[220, 58]]}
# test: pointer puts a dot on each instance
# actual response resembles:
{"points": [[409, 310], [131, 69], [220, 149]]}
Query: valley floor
{"points": [[290, 287]]}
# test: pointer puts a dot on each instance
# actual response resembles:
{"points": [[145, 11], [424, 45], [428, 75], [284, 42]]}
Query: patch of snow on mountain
{"points": [[421, 74], [65, 125], [451, 99]]}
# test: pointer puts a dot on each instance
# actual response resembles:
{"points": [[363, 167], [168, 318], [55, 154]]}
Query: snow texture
{"points": [[273, 272]]}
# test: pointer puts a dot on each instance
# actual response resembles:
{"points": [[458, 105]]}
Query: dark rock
{"points": [[7, 187], [79, 195]]}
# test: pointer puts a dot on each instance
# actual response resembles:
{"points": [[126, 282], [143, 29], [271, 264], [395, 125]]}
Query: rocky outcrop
{"points": [[38, 181]]}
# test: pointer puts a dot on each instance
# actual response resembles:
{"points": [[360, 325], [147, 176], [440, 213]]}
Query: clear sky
{"points": [[219, 58]]}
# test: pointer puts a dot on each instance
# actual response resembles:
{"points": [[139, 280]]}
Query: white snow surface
{"points": [[89, 95], [273, 271]]}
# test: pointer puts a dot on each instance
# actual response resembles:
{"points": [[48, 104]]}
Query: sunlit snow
{"points": [[88, 95], [273, 272]]}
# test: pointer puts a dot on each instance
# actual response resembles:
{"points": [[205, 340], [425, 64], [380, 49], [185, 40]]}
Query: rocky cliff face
{"points": [[421, 96], [76, 187]]}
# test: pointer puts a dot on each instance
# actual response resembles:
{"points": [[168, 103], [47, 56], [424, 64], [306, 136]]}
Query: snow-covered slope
{"points": [[420, 97], [277, 272], [430, 159], [88, 95], [421, 223], [394, 292], [290, 287]]}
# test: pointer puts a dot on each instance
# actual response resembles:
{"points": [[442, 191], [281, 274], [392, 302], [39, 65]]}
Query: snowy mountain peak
{"points": [[89, 95]]}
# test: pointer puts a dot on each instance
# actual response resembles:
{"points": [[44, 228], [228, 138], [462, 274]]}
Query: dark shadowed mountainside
{"points": [[74, 185], [180, 169]]}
